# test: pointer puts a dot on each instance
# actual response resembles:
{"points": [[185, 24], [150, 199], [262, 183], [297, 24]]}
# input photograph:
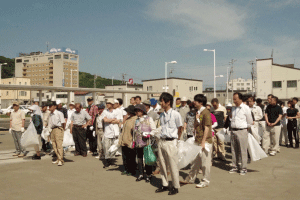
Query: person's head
{"points": [[166, 100], [120, 101], [153, 102], [191, 104], [291, 104], [116, 104], [265, 103], [258, 101], [200, 100], [295, 100], [132, 101], [274, 100], [90, 101], [110, 104], [208, 106], [251, 101], [71, 106], [16, 106], [140, 110], [178, 101], [245, 99], [44, 108], [281, 103], [35, 103], [270, 98], [183, 101], [52, 106], [101, 107], [138, 100], [78, 107], [215, 103], [237, 98], [147, 103], [130, 110]]}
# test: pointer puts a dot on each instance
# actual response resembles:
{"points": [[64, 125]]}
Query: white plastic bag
{"points": [[45, 134], [114, 148], [191, 140], [224, 135], [29, 137], [68, 139], [255, 151], [187, 152], [254, 131]]}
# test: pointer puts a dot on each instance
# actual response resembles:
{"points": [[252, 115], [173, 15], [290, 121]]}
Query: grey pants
{"points": [[239, 144], [283, 139], [107, 143], [100, 134], [17, 139], [271, 139], [168, 157]]}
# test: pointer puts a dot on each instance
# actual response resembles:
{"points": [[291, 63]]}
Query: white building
{"points": [[242, 84], [178, 87], [279, 80]]}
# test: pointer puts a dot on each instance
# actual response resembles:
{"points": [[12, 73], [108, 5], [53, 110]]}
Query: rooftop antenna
{"points": [[123, 77], [47, 43], [272, 53]]}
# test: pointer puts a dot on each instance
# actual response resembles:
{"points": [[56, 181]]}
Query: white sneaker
{"points": [[59, 163], [55, 162], [272, 153], [97, 157], [202, 184]]}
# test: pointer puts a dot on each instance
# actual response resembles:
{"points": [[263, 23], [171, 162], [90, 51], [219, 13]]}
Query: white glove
{"points": [[22, 130], [10, 131], [145, 134], [91, 128], [94, 133]]}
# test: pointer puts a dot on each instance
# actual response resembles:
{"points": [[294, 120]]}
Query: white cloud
{"points": [[200, 22]]}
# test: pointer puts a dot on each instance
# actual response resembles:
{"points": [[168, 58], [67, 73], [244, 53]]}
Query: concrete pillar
{"points": [[53, 97], [125, 104], [40, 97], [69, 99], [94, 97]]}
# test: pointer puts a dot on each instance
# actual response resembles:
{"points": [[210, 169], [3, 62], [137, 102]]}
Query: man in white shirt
{"points": [[111, 120], [155, 106], [57, 125], [257, 113], [171, 125], [283, 140], [121, 114], [241, 120], [71, 110]]}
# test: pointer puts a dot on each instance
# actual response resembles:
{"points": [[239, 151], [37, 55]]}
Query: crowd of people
{"points": [[160, 124]]}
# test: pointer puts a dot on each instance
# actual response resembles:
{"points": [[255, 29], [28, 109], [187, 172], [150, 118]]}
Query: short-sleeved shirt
{"points": [[292, 113], [16, 120], [273, 113], [170, 121], [80, 118], [56, 119], [111, 130], [183, 110], [190, 122], [205, 120]]}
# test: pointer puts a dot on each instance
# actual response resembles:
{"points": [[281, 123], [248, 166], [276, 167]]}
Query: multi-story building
{"points": [[279, 80], [242, 84], [178, 87], [8, 96], [59, 67]]}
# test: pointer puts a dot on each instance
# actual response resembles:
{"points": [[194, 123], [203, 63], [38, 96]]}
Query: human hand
{"points": [[22, 130], [203, 145], [91, 128], [10, 131]]}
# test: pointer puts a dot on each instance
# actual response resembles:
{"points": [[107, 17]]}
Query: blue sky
{"points": [[137, 37]]}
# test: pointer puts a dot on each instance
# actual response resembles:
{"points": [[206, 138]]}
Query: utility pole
{"points": [[253, 75], [231, 75]]}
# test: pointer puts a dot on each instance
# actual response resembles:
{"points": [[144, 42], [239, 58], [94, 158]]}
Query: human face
{"points": [[236, 100], [71, 107], [78, 108], [36, 103], [295, 102], [178, 102], [132, 101], [44, 109], [250, 102], [16, 107], [109, 106], [139, 113], [289, 105], [138, 101], [183, 103], [52, 108], [208, 107], [273, 101], [59, 106], [90, 102], [269, 99], [100, 111], [116, 105], [165, 105], [215, 105], [197, 104]]}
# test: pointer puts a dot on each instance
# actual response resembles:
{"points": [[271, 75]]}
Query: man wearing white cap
{"points": [[111, 121], [71, 110]]}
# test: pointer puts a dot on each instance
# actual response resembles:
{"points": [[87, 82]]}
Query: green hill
{"points": [[8, 70]]}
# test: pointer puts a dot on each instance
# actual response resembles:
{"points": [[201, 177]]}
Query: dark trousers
{"points": [[292, 130], [128, 156], [148, 168], [79, 137], [46, 145], [92, 140]]}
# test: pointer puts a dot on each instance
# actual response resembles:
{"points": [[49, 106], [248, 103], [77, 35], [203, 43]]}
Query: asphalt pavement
{"points": [[274, 177]]}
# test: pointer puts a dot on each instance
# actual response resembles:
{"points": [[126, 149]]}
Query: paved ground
{"points": [[84, 178]]}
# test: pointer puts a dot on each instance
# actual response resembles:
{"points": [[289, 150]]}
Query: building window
{"points": [[238, 88], [238, 84], [25, 83], [19, 83], [66, 56], [276, 84], [38, 95], [291, 84], [50, 58], [248, 88], [191, 88], [195, 88], [242, 84], [224, 95], [22, 93], [218, 95], [61, 96], [9, 83], [26, 60], [149, 88], [6, 93], [248, 83], [242, 88], [19, 60], [57, 57]]}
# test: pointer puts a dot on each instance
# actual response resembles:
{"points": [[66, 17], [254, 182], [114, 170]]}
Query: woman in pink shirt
{"points": [[213, 119]]}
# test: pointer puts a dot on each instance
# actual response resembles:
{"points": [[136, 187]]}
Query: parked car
{"points": [[10, 109]]}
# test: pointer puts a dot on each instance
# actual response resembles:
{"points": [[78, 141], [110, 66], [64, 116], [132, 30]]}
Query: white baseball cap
{"points": [[184, 99], [58, 102]]}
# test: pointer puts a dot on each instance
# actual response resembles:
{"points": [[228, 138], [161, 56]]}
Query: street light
{"points": [[214, 70], [0, 81], [72, 70], [166, 73]]}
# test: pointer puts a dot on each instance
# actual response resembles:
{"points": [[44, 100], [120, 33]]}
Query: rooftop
{"points": [[291, 66]]}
